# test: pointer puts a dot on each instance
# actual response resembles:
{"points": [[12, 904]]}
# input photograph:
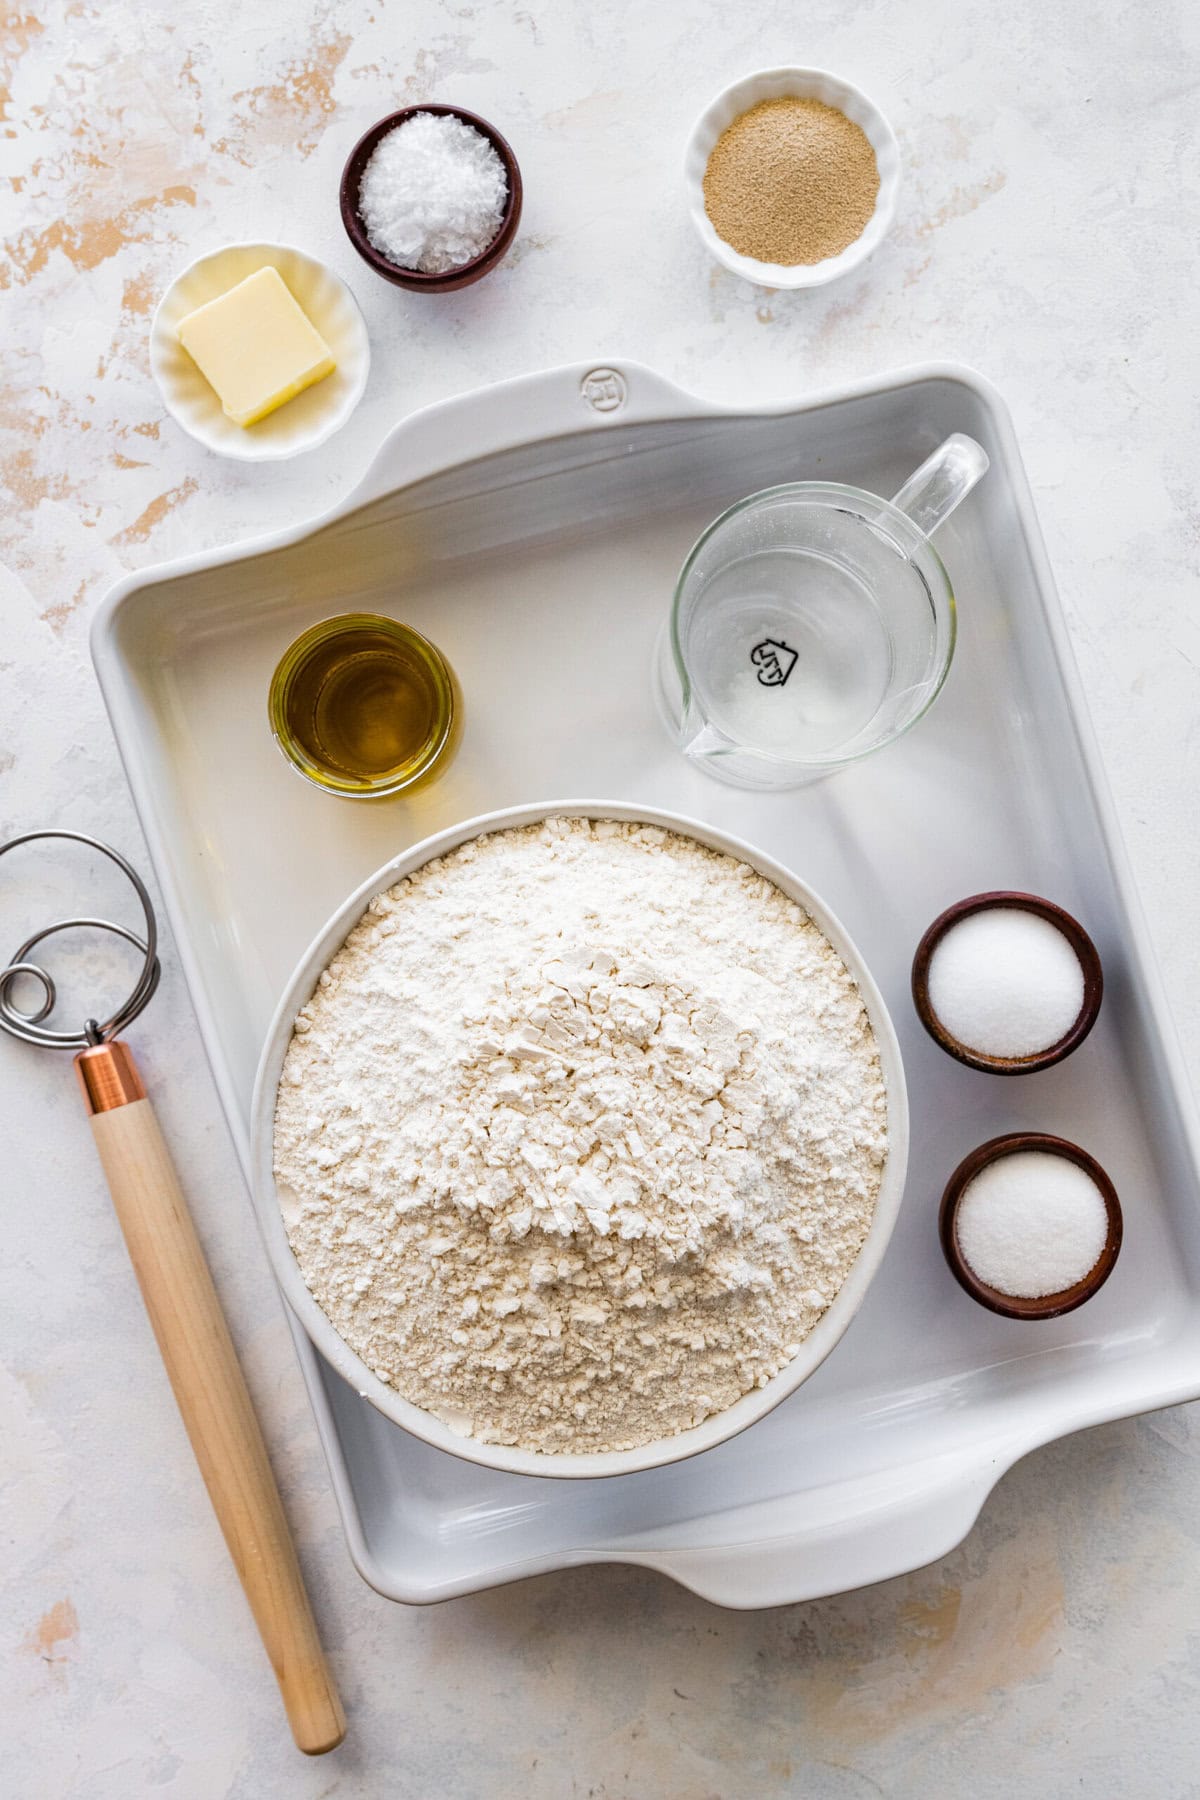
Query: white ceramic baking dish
{"points": [[535, 529], [422, 1424]]}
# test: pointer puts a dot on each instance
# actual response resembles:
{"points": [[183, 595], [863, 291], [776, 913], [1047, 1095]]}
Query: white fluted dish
{"points": [[799, 84], [300, 424]]}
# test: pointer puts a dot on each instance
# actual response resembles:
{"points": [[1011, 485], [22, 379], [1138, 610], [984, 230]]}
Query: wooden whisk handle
{"points": [[210, 1388]]}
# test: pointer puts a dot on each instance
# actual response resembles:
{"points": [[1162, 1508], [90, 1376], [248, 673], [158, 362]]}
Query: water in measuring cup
{"points": [[789, 653]]}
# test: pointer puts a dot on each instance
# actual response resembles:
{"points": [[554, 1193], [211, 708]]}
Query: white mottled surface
{"points": [[1048, 234]]}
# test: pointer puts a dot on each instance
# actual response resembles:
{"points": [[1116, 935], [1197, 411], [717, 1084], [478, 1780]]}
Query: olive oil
{"points": [[363, 706]]}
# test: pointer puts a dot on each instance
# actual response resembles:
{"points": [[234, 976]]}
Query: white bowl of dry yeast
{"points": [[792, 176]]}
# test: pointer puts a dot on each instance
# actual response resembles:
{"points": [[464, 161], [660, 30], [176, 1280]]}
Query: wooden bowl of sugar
{"points": [[1030, 1225], [1007, 982]]}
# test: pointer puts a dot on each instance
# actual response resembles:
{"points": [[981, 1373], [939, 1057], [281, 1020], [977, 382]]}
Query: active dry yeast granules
{"points": [[580, 1134], [791, 181]]}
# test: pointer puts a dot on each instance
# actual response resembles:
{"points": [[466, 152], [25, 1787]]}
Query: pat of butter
{"points": [[255, 346]]}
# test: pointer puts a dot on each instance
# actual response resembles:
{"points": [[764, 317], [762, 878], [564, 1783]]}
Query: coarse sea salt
{"points": [[433, 193], [1031, 1224], [1006, 982]]}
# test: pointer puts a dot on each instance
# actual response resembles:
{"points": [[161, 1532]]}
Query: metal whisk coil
{"points": [[29, 1026]]}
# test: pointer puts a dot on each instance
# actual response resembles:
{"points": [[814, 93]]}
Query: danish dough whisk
{"points": [[193, 1337]]}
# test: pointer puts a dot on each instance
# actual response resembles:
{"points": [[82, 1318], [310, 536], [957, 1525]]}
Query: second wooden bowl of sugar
{"points": [[819, 220], [1030, 1225]]}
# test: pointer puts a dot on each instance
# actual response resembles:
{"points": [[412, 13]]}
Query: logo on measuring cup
{"points": [[774, 662]]}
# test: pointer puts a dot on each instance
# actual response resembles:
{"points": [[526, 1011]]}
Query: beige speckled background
{"points": [[1048, 233]]}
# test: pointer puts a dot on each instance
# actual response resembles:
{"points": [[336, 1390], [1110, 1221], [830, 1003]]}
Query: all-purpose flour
{"points": [[579, 1134]]}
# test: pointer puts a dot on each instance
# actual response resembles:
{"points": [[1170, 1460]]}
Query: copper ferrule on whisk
{"points": [[108, 1076]]}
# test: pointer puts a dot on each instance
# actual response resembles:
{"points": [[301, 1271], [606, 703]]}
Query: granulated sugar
{"points": [[1006, 982], [579, 1135], [1031, 1224], [791, 181]]}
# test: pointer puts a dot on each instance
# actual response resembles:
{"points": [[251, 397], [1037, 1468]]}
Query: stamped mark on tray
{"points": [[604, 390]]}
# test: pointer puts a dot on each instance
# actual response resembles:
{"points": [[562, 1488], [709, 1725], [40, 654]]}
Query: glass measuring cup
{"points": [[813, 623]]}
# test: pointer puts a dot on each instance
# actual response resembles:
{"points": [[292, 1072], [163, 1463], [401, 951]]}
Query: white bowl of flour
{"points": [[579, 1134]]}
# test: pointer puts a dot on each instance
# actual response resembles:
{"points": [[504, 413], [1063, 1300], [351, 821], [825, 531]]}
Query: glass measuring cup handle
{"points": [[932, 492]]}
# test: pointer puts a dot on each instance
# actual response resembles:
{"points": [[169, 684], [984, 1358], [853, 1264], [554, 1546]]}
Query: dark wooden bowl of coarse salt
{"points": [[476, 217]]}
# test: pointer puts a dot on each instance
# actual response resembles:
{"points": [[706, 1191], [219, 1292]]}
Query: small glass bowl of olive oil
{"points": [[364, 706]]}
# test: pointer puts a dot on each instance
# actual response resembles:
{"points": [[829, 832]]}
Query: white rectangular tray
{"points": [[534, 530]]}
